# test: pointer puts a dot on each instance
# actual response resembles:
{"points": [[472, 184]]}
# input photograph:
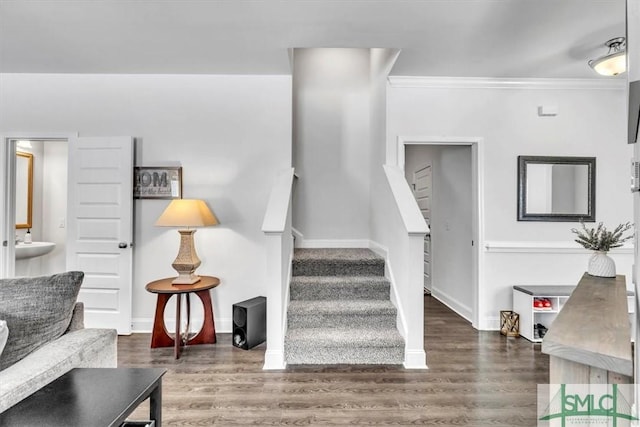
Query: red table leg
{"points": [[207, 334], [160, 336]]}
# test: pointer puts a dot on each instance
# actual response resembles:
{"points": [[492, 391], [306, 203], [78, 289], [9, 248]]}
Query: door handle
{"points": [[122, 245]]}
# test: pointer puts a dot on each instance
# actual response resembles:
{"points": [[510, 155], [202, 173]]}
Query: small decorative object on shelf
{"points": [[600, 240], [542, 304], [539, 331]]}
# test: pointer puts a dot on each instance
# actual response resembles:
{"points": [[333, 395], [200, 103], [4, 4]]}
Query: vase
{"points": [[601, 265]]}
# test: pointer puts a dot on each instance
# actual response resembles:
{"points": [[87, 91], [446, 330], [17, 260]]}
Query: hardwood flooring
{"points": [[474, 379]]}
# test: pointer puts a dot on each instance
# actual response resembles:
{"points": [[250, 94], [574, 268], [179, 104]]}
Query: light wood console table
{"points": [[590, 340]]}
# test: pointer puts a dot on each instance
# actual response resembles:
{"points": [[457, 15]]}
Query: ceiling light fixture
{"points": [[615, 61]]}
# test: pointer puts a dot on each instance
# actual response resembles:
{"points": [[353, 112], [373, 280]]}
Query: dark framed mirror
{"points": [[556, 188]]}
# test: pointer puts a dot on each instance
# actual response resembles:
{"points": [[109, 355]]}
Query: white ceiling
{"points": [[460, 38]]}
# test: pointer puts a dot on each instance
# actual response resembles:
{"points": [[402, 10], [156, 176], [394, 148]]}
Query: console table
{"points": [[590, 339], [524, 297], [90, 397], [165, 289]]}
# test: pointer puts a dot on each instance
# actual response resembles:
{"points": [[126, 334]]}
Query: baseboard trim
{"points": [[455, 305], [274, 360], [332, 243], [376, 247], [415, 359], [144, 325], [490, 323], [298, 237]]}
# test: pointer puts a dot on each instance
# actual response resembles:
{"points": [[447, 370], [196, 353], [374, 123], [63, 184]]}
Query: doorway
{"points": [[42, 189], [454, 211]]}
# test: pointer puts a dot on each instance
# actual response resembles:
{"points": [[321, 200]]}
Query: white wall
{"points": [[591, 122], [231, 134], [33, 266], [451, 222], [54, 205], [332, 143]]}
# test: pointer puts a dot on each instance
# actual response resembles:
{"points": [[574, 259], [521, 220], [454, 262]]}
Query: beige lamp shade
{"points": [[187, 213]]}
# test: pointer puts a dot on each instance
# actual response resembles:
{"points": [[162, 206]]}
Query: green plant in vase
{"points": [[600, 240]]}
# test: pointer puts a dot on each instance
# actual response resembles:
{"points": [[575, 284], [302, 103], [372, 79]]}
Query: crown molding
{"points": [[498, 83]]}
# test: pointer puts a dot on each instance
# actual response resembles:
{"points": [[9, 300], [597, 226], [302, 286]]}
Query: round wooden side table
{"points": [[165, 289]]}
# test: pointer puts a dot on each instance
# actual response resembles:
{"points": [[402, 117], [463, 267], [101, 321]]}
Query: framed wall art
{"points": [[157, 182]]}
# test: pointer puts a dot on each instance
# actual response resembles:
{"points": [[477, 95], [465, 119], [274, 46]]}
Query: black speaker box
{"points": [[250, 323]]}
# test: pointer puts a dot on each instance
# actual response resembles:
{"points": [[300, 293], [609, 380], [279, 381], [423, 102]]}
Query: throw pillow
{"points": [[37, 310], [4, 333]]}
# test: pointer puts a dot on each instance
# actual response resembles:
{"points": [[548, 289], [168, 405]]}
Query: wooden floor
{"points": [[474, 379]]}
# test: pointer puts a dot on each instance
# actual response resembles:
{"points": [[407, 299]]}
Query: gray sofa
{"points": [[50, 354]]}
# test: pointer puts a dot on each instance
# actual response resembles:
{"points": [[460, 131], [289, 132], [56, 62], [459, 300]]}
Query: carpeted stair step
{"points": [[337, 262], [339, 287], [345, 345], [341, 314]]}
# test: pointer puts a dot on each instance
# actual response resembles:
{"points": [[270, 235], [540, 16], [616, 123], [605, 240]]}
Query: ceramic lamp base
{"points": [[186, 279], [187, 260]]}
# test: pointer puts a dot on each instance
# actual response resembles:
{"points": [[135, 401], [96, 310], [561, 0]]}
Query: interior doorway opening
{"points": [[453, 209], [34, 204]]}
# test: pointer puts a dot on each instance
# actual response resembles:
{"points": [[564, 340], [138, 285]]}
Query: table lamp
{"points": [[186, 213]]}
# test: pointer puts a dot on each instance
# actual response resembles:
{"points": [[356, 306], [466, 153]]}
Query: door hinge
{"points": [[472, 243]]}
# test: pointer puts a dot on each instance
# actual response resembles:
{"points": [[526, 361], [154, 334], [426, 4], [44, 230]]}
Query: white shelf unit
{"points": [[524, 296]]}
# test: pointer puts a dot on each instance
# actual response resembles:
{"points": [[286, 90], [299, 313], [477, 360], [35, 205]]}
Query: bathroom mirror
{"points": [[556, 188], [24, 189]]}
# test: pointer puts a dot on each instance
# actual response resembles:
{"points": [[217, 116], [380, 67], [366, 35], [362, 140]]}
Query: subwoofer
{"points": [[250, 323]]}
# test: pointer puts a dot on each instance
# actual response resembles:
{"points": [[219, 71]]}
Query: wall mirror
{"points": [[556, 188], [24, 190]]}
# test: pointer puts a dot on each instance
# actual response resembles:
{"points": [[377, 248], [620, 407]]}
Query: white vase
{"points": [[601, 265]]}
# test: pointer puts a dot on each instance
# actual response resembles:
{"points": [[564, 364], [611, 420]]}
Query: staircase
{"points": [[340, 312]]}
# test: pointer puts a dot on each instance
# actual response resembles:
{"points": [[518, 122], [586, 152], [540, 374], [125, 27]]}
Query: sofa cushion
{"points": [[4, 333], [84, 348], [37, 310]]}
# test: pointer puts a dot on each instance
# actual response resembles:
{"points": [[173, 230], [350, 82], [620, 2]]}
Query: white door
{"points": [[422, 190], [99, 230]]}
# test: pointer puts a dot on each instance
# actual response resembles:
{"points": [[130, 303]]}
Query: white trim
{"points": [[333, 243], [461, 309], [379, 249], [490, 323], [298, 237], [401, 321], [274, 360], [478, 166], [555, 247], [408, 208], [415, 359], [505, 83], [275, 217]]}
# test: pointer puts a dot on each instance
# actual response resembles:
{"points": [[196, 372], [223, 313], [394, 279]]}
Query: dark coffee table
{"points": [[90, 397]]}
